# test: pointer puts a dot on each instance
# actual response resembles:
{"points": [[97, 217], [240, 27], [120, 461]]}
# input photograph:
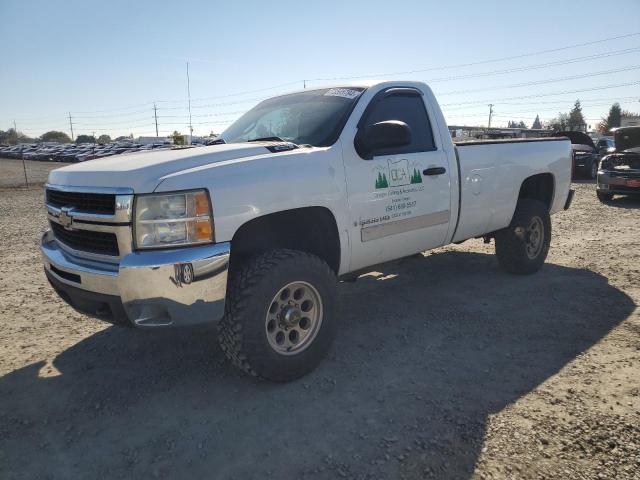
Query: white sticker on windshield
{"points": [[342, 92]]}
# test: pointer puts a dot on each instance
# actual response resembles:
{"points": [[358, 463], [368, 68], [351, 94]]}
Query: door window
{"points": [[409, 109]]}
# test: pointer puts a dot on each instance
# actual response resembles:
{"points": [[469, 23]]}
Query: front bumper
{"points": [[618, 183], [172, 287]]}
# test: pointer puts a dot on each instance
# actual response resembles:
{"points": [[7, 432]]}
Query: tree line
{"points": [[574, 120], [613, 120], [13, 137]]}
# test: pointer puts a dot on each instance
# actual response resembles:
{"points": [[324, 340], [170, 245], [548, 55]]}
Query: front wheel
{"points": [[280, 314], [523, 246], [604, 197]]}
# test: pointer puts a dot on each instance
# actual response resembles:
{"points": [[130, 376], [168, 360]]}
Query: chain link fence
{"points": [[22, 173]]}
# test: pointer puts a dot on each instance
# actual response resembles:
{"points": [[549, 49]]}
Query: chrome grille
{"points": [[102, 243], [103, 203], [91, 222]]}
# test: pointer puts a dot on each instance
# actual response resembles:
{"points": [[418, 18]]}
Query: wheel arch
{"points": [[309, 229], [540, 186]]}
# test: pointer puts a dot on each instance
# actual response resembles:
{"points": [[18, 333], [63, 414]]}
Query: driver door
{"points": [[399, 200]]}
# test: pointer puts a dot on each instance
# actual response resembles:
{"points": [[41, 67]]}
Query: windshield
{"points": [[313, 117]]}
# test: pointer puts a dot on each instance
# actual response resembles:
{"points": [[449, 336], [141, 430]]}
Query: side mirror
{"points": [[381, 136]]}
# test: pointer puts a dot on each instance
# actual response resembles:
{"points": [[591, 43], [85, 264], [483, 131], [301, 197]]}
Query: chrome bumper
{"points": [[174, 287]]}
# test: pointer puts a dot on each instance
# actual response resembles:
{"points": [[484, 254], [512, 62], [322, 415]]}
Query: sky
{"points": [[107, 63]]}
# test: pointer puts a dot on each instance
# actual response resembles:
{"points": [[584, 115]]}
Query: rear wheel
{"points": [[604, 197], [280, 315], [593, 171], [522, 247]]}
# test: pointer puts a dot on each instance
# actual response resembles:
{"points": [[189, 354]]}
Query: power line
{"points": [[387, 74], [470, 64], [554, 109], [238, 94], [205, 114], [432, 80], [114, 123], [534, 67], [146, 104], [552, 102], [536, 95], [542, 82], [137, 112], [222, 104], [147, 124]]}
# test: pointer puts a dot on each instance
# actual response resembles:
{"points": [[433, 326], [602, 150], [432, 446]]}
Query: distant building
{"points": [[629, 121]]}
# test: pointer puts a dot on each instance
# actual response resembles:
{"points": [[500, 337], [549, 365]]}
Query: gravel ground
{"points": [[12, 172], [444, 368]]}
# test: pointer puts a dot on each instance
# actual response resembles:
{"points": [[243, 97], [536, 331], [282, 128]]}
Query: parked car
{"points": [[619, 172], [585, 156], [347, 178], [71, 152], [606, 145]]}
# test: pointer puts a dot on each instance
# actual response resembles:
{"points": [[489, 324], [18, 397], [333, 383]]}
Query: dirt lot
{"points": [[12, 172], [444, 368]]}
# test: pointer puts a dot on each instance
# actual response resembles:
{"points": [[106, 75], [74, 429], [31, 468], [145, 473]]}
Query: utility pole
{"points": [[71, 126], [304, 84], [155, 115], [490, 114], [189, 96]]}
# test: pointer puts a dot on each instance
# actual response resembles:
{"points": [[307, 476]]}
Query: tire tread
{"points": [[509, 248], [242, 285]]}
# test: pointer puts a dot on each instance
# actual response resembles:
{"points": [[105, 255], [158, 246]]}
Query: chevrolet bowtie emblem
{"points": [[65, 219]]}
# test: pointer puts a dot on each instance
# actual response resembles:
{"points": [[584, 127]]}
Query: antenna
{"points": [[189, 96], [155, 115], [71, 126]]}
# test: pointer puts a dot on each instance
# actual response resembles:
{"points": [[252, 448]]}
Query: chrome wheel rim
{"points": [[293, 318], [535, 237]]}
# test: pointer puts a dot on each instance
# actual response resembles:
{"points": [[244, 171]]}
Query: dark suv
{"points": [[585, 156], [619, 172], [605, 146]]}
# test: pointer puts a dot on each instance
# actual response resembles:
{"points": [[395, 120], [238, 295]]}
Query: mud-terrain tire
{"points": [[523, 246], [259, 312], [604, 197]]}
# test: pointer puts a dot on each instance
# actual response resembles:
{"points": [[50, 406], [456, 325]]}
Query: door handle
{"points": [[434, 171]]}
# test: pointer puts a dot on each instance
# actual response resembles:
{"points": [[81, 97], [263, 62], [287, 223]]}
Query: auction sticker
{"points": [[342, 92]]}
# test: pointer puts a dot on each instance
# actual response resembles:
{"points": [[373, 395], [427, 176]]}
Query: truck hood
{"points": [[143, 171], [577, 138], [627, 138]]}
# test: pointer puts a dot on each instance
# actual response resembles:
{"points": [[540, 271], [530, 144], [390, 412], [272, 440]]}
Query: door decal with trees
{"points": [[397, 174]]}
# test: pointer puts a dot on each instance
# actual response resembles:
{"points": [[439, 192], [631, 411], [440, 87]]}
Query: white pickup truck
{"points": [[303, 190]]}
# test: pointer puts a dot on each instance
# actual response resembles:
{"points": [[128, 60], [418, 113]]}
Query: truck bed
{"points": [[491, 173]]}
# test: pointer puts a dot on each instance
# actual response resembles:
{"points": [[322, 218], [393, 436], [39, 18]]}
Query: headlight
{"points": [[173, 219]]}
